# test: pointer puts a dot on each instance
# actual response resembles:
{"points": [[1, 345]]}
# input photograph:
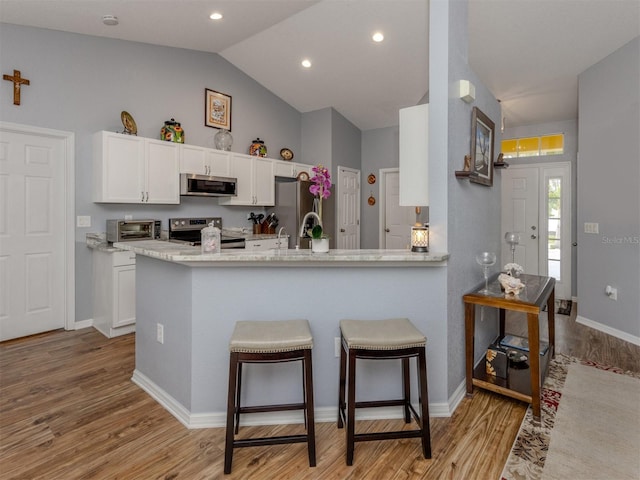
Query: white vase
{"points": [[320, 245]]}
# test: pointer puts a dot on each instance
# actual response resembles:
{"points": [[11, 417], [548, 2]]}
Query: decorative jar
{"points": [[258, 148], [210, 238], [223, 140], [172, 131]]}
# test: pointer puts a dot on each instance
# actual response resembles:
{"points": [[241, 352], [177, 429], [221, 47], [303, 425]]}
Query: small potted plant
{"points": [[319, 241]]}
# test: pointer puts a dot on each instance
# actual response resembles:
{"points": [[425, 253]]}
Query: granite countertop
{"points": [[188, 255], [98, 241]]}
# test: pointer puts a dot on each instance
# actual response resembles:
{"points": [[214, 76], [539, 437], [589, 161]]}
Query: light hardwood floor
{"points": [[68, 410]]}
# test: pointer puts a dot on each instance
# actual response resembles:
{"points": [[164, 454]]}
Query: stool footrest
{"points": [[366, 437], [272, 408], [381, 403], [257, 442]]}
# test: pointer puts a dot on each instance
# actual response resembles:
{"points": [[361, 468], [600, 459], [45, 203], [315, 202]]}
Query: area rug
{"points": [[590, 427]]}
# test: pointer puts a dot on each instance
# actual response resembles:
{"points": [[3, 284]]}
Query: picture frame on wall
{"points": [[217, 110], [482, 142]]}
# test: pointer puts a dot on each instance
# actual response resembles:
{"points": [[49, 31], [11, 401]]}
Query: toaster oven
{"points": [[130, 230]]}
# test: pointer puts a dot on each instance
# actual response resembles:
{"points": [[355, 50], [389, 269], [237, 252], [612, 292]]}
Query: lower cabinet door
{"points": [[124, 298]]}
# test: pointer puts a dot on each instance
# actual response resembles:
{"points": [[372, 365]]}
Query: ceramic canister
{"points": [[258, 148], [172, 131]]}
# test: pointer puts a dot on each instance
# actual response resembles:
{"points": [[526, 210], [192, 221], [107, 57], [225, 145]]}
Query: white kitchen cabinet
{"points": [[204, 161], [266, 244], [256, 182], [114, 292], [131, 169], [287, 169]]}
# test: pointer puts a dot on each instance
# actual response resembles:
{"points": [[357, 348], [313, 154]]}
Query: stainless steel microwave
{"points": [[129, 230], [207, 186]]}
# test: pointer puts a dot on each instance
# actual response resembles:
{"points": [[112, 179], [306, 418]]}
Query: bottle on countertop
{"points": [[210, 238]]}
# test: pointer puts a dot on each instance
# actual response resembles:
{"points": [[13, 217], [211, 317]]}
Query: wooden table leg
{"points": [[534, 362], [551, 321], [469, 329]]}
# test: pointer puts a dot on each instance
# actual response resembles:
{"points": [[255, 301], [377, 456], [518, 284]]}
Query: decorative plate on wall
{"points": [[286, 154], [371, 179], [129, 123]]}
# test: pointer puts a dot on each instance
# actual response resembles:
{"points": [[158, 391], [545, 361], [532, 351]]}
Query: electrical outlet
{"points": [[83, 221], [337, 346], [128, 217], [160, 333], [611, 292]]}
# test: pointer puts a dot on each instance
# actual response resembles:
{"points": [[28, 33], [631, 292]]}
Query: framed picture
{"points": [[217, 109], [482, 133]]}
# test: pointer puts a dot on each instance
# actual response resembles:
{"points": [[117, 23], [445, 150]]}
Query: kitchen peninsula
{"points": [[187, 304]]}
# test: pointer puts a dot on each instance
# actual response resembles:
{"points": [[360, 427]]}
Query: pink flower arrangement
{"points": [[321, 182]]}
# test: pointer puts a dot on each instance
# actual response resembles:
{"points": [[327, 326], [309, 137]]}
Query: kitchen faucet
{"points": [[279, 237], [304, 224]]}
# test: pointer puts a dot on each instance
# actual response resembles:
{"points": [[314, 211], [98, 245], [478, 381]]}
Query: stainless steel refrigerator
{"points": [[293, 201]]}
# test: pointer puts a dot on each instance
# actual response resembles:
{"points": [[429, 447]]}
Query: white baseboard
{"points": [[83, 324], [609, 330], [324, 414]]}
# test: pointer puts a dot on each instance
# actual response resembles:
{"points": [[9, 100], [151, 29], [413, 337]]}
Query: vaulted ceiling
{"points": [[527, 52]]}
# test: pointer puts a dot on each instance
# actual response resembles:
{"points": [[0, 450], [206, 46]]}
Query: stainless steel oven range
{"points": [[187, 231]]}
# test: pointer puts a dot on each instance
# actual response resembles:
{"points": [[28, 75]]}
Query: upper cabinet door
{"points": [[192, 159], [162, 160], [264, 186], [118, 168]]}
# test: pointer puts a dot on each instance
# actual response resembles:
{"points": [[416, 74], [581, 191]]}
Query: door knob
{"points": [[387, 230], [533, 237], [533, 227], [342, 230]]}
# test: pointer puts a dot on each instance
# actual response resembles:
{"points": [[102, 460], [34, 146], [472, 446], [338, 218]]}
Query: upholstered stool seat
{"points": [[269, 342], [383, 340]]}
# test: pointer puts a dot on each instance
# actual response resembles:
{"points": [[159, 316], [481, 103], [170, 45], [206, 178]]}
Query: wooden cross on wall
{"points": [[17, 82]]}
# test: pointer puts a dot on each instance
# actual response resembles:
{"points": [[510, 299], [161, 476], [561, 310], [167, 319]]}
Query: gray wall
{"points": [[81, 84], [380, 149], [609, 191], [570, 130], [470, 221]]}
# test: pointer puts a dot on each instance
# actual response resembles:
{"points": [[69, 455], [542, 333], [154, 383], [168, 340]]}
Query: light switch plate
{"points": [[590, 227]]}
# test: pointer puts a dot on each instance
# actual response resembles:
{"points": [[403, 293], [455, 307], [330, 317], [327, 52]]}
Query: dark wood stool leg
{"points": [[424, 403], [351, 406], [406, 383], [238, 389], [343, 380], [308, 386], [231, 409]]}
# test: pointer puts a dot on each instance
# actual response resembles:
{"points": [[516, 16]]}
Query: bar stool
{"points": [[383, 340], [269, 342]]}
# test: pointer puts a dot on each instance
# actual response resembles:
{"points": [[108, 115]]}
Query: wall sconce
{"points": [[419, 235], [466, 91]]}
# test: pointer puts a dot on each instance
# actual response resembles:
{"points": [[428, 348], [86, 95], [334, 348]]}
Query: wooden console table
{"points": [[538, 291]]}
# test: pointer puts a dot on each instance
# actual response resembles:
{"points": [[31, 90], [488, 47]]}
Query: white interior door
{"points": [[396, 221], [536, 202], [348, 231], [34, 252]]}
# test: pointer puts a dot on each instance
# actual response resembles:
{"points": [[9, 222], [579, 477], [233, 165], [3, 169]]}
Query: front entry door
{"points": [[33, 233], [536, 202]]}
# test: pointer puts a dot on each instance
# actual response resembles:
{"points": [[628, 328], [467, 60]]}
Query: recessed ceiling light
{"points": [[377, 37], [215, 16], [110, 20], [306, 63]]}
